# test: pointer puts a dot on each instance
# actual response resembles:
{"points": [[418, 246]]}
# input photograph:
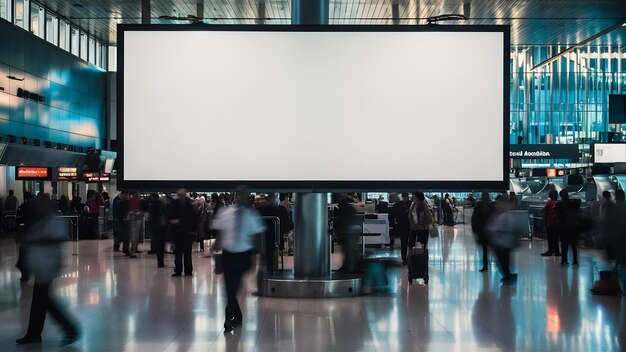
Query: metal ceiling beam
{"points": [[578, 45], [145, 11]]}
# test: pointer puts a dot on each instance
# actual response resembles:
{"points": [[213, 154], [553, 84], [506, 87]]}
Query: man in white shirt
{"points": [[236, 226]]}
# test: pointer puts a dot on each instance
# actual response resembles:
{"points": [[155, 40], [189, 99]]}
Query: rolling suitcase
{"points": [[417, 261]]}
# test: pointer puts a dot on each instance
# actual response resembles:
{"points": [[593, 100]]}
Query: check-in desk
{"points": [[375, 229]]}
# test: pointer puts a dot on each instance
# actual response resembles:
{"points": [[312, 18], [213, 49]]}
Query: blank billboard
{"points": [[313, 108]]}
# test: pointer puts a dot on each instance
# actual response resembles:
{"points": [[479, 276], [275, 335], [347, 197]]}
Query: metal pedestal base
{"points": [[284, 284]]}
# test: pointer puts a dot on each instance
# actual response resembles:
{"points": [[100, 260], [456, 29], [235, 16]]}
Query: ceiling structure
{"points": [[533, 22]]}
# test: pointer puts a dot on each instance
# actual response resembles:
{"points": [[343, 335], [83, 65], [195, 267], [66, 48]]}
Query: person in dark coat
{"points": [[399, 215], [183, 223], [551, 222], [480, 217], [567, 213], [158, 226], [44, 258], [382, 207], [347, 230]]}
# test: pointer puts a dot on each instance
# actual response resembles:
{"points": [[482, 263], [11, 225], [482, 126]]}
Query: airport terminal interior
{"points": [[71, 96]]}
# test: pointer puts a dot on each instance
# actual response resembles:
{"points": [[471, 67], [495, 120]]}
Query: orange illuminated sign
{"points": [[551, 172], [32, 173]]}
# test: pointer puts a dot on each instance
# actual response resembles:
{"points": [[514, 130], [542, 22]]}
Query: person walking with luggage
{"points": [[420, 219], [502, 240], [183, 222], [44, 258], [448, 213], [480, 217], [551, 222], [236, 226]]}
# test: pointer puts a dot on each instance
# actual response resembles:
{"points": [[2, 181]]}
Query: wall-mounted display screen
{"points": [[285, 107], [94, 177], [33, 173], [68, 174], [609, 152]]}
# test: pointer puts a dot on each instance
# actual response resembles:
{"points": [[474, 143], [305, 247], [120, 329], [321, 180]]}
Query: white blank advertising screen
{"points": [[233, 105]]}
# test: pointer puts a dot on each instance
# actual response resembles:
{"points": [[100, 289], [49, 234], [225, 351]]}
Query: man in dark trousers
{"points": [[183, 221], [236, 226], [551, 222], [399, 215], [158, 226], [119, 208]]}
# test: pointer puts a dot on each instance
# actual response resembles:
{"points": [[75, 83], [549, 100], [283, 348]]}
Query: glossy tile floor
{"points": [[131, 305]]}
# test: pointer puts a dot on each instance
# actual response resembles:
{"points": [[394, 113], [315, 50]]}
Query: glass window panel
{"points": [[98, 54], [22, 13], [92, 51], [74, 42], [37, 20], [83, 45], [104, 57], [64, 35], [52, 29], [112, 58], [5, 10]]}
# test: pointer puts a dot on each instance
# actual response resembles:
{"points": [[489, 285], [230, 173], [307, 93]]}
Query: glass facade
{"points": [[43, 23], [565, 101], [66, 101]]}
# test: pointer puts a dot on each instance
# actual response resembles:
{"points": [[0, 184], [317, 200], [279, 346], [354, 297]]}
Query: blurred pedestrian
{"points": [[482, 211], [348, 230], [617, 239], [236, 226], [502, 238], [44, 237], [26, 213]]}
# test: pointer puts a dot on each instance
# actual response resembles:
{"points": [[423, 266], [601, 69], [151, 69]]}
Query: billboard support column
{"points": [[311, 251]]}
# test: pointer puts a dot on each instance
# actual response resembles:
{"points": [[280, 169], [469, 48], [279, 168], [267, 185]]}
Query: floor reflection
{"points": [[131, 305]]}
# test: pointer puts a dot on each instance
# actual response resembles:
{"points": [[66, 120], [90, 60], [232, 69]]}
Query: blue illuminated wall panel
{"points": [[73, 111]]}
